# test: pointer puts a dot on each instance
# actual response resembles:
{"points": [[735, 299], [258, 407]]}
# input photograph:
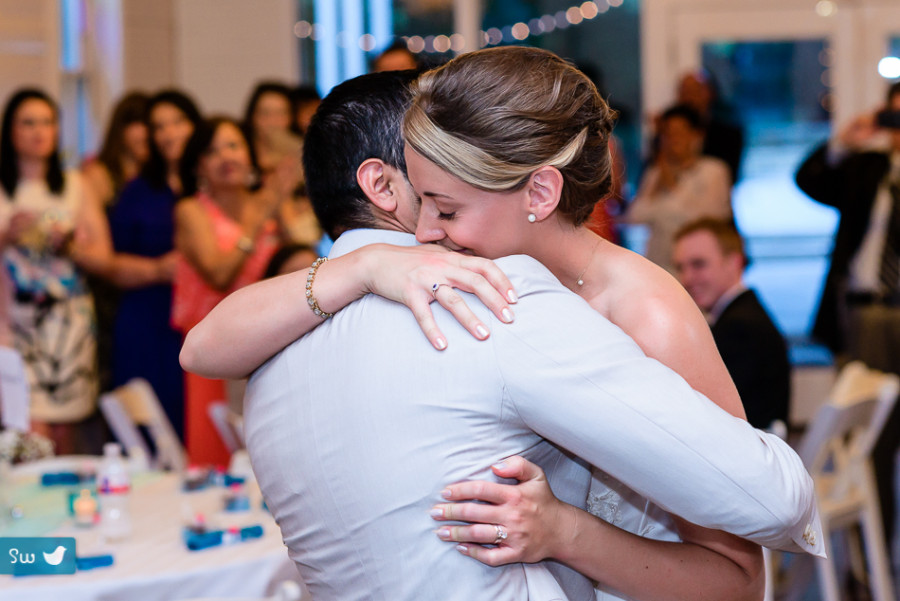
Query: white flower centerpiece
{"points": [[19, 447]]}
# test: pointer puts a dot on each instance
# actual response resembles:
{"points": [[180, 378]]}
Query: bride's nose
{"points": [[428, 228]]}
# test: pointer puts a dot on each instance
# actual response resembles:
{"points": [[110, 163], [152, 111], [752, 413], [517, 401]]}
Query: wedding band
{"points": [[434, 289], [501, 534]]}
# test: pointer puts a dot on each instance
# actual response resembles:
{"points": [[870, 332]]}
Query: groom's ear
{"points": [[543, 191], [377, 183]]}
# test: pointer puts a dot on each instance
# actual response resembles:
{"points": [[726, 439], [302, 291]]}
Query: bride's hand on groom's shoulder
{"points": [[419, 275], [533, 521]]}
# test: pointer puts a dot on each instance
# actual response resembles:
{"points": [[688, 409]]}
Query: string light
{"points": [[889, 67], [826, 8], [520, 31], [367, 42], [573, 16], [303, 29], [441, 43], [589, 10]]}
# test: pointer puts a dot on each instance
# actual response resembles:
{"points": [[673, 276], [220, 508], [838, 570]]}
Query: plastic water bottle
{"points": [[114, 490]]}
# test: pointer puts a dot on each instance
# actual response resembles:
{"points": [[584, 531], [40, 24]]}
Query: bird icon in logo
{"points": [[55, 558]]}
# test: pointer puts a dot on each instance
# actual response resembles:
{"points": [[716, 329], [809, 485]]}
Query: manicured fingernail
{"points": [[462, 549], [443, 533], [481, 331], [507, 315], [441, 344], [446, 493], [511, 295], [437, 512], [500, 465]]}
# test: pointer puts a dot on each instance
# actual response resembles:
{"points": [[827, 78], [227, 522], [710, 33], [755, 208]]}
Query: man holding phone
{"points": [[858, 173]]}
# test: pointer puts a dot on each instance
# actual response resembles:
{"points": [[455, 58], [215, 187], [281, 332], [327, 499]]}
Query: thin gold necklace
{"points": [[580, 280]]}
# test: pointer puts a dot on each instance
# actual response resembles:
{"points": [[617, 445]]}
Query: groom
{"points": [[355, 429]]}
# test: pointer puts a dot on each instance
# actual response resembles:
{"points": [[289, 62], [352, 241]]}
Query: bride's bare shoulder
{"points": [[649, 305], [629, 274], [639, 295]]}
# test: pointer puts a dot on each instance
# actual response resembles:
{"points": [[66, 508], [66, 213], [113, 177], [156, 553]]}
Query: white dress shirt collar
{"points": [[354, 239], [865, 266], [725, 300]]}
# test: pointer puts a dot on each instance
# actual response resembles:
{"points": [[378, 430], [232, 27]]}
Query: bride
{"points": [[507, 150]]}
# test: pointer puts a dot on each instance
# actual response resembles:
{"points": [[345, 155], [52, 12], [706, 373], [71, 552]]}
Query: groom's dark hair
{"points": [[360, 119]]}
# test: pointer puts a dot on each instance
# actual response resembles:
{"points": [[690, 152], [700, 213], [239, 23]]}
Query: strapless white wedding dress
{"points": [[613, 502]]}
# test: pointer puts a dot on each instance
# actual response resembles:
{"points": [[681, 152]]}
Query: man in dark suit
{"points": [[858, 173], [849, 175], [709, 260]]}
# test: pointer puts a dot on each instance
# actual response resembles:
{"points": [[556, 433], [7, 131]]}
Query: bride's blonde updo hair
{"points": [[492, 117]]}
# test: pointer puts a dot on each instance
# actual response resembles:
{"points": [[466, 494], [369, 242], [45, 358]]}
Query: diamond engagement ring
{"points": [[434, 289], [501, 534]]}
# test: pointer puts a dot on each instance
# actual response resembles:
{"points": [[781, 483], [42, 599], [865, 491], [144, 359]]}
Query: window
{"points": [[780, 92]]}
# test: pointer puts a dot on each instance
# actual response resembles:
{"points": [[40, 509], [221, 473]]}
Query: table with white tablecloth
{"points": [[153, 563]]}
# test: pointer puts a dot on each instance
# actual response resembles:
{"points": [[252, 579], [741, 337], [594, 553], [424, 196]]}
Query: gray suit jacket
{"points": [[355, 429]]}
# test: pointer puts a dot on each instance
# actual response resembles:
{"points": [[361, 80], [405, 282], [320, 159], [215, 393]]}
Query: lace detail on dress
{"points": [[615, 503], [605, 505]]}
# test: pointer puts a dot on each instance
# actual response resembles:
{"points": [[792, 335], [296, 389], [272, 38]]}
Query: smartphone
{"points": [[888, 119]]}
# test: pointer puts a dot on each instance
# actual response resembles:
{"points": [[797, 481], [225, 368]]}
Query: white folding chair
{"points": [[227, 424], [15, 400], [134, 404], [836, 450]]}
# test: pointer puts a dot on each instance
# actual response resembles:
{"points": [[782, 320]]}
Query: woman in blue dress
{"points": [[142, 225]]}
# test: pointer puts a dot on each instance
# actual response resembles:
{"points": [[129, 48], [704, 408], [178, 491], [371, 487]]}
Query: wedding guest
{"points": [[396, 57], [709, 262], [268, 123], [602, 220], [723, 136], [51, 227], [306, 100], [858, 173], [143, 230], [123, 154], [226, 234], [275, 145], [297, 221], [124, 151], [681, 185], [290, 258]]}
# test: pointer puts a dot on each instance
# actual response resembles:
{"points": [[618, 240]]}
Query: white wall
{"points": [[216, 50], [223, 47], [29, 47], [148, 45]]}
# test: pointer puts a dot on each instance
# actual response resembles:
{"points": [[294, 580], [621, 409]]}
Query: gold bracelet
{"points": [[310, 299]]}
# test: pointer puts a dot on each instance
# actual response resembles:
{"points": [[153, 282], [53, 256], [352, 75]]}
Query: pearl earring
{"points": [[532, 217]]}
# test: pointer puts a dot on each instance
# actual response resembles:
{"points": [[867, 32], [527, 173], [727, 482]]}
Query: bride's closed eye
{"points": [[447, 216]]}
